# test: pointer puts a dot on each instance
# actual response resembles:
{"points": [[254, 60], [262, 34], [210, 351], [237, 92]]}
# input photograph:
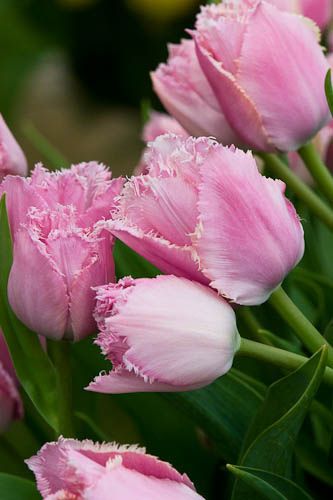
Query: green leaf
{"points": [[267, 485], [223, 410], [130, 263], [313, 460], [33, 368], [329, 90], [271, 438], [15, 488]]}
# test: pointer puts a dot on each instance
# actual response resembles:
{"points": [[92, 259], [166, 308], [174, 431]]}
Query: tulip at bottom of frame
{"points": [[163, 334], [82, 470]]}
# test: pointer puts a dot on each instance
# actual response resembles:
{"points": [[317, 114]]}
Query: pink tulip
{"points": [[59, 254], [10, 401], [163, 334], [187, 96], [12, 159], [206, 213], [158, 124], [69, 469], [267, 70]]}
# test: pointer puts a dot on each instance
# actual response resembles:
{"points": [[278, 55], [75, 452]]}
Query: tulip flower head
{"points": [[267, 71], [163, 334], [58, 252], [71, 469], [205, 212], [12, 158]]}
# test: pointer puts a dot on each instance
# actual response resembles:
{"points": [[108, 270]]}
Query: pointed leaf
{"points": [[329, 90], [271, 438], [267, 485]]}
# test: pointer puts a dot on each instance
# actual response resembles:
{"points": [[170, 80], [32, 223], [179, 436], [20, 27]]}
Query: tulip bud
{"points": [[267, 71], [163, 334], [205, 212], [10, 401], [71, 469], [186, 94], [59, 253], [12, 159]]}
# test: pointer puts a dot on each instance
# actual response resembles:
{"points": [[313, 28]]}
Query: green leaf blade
{"points": [[14, 488]]}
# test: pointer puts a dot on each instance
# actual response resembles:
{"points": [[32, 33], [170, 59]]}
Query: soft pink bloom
{"points": [[163, 334], [205, 212], [12, 159], [59, 254], [10, 402], [82, 470], [320, 11], [158, 124], [267, 70], [187, 96]]}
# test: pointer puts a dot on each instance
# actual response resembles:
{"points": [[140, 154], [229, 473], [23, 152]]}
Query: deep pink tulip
{"points": [[12, 158], [82, 470], [186, 94], [59, 254], [206, 213], [163, 334], [267, 70], [10, 402]]}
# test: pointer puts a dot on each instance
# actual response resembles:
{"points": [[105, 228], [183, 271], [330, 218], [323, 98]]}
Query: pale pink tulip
{"points": [[82, 470], [158, 124], [267, 70], [58, 252], [186, 94], [12, 158], [205, 212], [10, 402], [163, 334]]}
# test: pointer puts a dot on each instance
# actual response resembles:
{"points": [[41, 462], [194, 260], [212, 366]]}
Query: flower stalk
{"points": [[318, 169]]}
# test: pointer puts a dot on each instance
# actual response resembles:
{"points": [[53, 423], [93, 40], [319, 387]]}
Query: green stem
{"points": [[304, 193], [252, 324], [318, 169], [302, 327], [277, 357], [60, 354]]}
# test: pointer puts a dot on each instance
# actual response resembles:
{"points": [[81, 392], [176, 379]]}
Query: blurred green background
{"points": [[77, 70]]}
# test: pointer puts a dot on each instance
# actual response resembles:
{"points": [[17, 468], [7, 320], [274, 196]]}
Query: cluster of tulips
{"points": [[198, 207]]}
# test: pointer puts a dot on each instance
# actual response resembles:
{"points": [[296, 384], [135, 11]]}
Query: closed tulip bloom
{"points": [[267, 70], [163, 334], [55, 264], [186, 94], [12, 158], [205, 212], [10, 401], [69, 469]]}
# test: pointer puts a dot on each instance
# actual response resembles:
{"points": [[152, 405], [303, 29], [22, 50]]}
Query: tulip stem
{"points": [[302, 327], [318, 169], [60, 354], [304, 193], [277, 357]]}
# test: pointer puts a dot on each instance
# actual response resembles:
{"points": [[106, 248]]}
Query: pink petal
{"points": [[159, 124], [119, 483], [39, 300], [12, 158], [183, 90], [249, 235], [273, 58], [11, 407], [320, 11]]}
